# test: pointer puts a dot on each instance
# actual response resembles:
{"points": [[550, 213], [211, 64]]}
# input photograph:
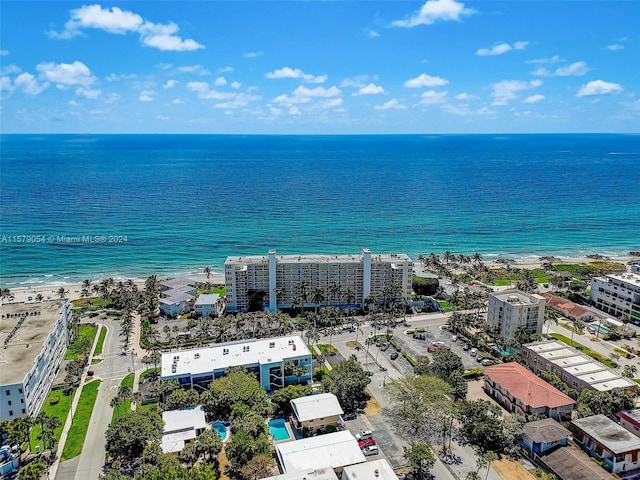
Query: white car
{"points": [[370, 450], [473, 352], [364, 434]]}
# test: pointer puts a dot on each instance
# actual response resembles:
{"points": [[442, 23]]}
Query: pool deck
{"points": [[293, 434]]}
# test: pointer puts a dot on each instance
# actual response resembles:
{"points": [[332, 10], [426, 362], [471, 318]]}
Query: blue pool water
{"points": [[220, 428], [278, 429]]}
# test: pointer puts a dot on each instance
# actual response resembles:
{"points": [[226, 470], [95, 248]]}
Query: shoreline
{"points": [[49, 290]]}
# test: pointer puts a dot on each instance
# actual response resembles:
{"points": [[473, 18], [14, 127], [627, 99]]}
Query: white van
{"points": [[473, 352], [370, 450], [364, 434]]}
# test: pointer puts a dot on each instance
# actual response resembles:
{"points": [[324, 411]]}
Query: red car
{"points": [[438, 346], [367, 442]]}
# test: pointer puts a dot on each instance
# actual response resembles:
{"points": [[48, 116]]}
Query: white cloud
{"points": [[220, 81], [88, 93], [198, 87], [118, 21], [170, 84], [177, 101], [614, 47], [251, 54], [295, 111], [434, 10], [500, 48], [431, 97], [358, 82], [316, 92], [371, 33], [9, 69], [5, 84], [392, 104], [236, 84], [425, 80], [334, 102], [506, 90], [541, 72], [554, 59], [162, 117], [76, 73], [534, 98], [371, 89], [290, 100], [4, 53], [575, 69], [146, 96], [288, 72], [464, 110], [465, 96], [238, 100], [112, 77], [599, 87], [28, 84], [495, 50], [198, 69]]}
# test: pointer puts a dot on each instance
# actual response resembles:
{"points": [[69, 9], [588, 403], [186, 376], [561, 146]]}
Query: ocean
{"points": [[93, 206]]}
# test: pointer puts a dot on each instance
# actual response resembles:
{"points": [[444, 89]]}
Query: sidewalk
{"points": [[74, 405]]}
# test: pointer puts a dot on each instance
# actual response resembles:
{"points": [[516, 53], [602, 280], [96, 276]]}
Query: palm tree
{"points": [[335, 291], [301, 289], [550, 317], [62, 292], [317, 297], [207, 271], [522, 335], [575, 325], [630, 371], [279, 292], [299, 371]]}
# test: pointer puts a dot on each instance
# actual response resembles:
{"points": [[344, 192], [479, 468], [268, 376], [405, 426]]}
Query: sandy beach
{"points": [[51, 291]]}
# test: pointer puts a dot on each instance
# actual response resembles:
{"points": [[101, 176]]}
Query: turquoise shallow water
{"points": [[175, 203]]}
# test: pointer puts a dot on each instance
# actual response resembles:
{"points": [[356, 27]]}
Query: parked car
{"points": [[366, 442], [487, 362], [454, 339], [394, 355], [370, 450], [364, 434], [349, 416], [465, 347], [384, 347], [473, 352], [438, 346], [420, 336], [479, 358]]}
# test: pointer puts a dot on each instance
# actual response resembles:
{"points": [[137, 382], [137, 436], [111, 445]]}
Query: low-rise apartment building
{"points": [[520, 391], [265, 357], [209, 305], [574, 368], [316, 412], [608, 442], [275, 281], [511, 309], [36, 336], [617, 294]]}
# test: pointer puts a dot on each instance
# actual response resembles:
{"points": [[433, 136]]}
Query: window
{"points": [[225, 351], [19, 390], [24, 411], [22, 400], [9, 402], [11, 413], [8, 392]]}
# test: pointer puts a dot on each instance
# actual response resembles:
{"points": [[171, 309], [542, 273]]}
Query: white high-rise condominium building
{"points": [[618, 294], [512, 308], [36, 336], [279, 279]]}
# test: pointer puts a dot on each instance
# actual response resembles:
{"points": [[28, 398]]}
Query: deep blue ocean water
{"points": [[186, 201]]}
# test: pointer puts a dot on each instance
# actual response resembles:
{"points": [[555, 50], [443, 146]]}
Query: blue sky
{"points": [[440, 66]]}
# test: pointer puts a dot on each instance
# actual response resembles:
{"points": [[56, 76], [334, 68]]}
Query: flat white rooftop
{"points": [[180, 426], [178, 282], [585, 368], [571, 361], [374, 470], [315, 258], [312, 407], [325, 473], [598, 377], [557, 353], [338, 449], [516, 297], [24, 327], [618, 382], [224, 355], [545, 346], [207, 299]]}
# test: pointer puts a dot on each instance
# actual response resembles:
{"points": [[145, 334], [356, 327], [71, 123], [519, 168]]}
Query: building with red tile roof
{"points": [[520, 391], [568, 308]]}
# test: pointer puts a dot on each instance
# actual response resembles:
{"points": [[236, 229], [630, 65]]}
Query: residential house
{"points": [[543, 435], [316, 412], [630, 419], [209, 305], [520, 391], [571, 463], [607, 441], [567, 308], [181, 427], [176, 295], [373, 470]]}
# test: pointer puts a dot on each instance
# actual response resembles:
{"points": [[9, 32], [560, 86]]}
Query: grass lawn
{"points": [[81, 418], [219, 290], [126, 405], [148, 406], [91, 302], [149, 372], [75, 348], [446, 306], [60, 410], [326, 348], [585, 350], [540, 275], [569, 326], [103, 334]]}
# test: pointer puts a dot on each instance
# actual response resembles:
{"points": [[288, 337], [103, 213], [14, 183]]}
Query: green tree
{"points": [[420, 457], [630, 371], [33, 471], [243, 447], [209, 444], [258, 467], [128, 435], [189, 454], [237, 387], [482, 424], [527, 283], [347, 381], [448, 366], [281, 398]]}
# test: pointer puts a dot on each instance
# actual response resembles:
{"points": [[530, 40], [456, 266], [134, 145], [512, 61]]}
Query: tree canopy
{"points": [[128, 436], [348, 381], [237, 387]]}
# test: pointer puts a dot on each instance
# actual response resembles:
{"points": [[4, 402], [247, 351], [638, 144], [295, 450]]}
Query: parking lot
{"points": [[387, 442]]}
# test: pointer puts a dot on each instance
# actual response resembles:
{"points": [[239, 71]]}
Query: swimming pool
{"points": [[220, 428], [278, 429]]}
